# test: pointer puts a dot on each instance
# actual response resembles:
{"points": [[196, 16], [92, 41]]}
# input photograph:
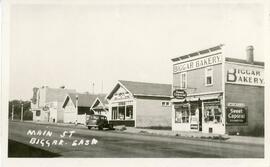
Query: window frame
{"points": [[181, 80], [165, 103], [206, 74]]}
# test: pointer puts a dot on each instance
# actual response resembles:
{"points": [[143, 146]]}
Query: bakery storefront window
{"points": [[212, 112], [182, 113]]}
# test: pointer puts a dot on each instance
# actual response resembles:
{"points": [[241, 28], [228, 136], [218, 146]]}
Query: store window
{"points": [[209, 76], [38, 113], [129, 112], [114, 113], [212, 112], [165, 103], [182, 113], [122, 112], [183, 80]]}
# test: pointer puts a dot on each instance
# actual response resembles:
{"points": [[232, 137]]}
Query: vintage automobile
{"points": [[98, 121]]}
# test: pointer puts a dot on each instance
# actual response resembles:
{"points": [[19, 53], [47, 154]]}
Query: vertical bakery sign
{"points": [[244, 74]]}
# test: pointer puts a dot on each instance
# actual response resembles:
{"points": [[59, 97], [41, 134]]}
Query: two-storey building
{"points": [[213, 93]]}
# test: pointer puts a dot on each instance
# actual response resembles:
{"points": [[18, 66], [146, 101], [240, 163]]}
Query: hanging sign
{"points": [[179, 94]]}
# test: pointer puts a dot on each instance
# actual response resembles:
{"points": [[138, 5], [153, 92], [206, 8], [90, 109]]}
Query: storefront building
{"points": [[140, 104], [46, 104], [208, 93]]}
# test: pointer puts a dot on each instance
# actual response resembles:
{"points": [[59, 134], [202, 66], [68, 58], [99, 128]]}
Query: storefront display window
{"points": [[114, 113], [129, 112], [122, 112], [212, 112], [38, 113], [182, 113]]}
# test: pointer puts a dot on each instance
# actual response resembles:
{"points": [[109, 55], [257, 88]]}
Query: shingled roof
{"points": [[84, 99], [229, 59], [144, 89]]}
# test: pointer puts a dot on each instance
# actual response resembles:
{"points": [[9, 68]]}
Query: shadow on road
{"points": [[19, 150]]}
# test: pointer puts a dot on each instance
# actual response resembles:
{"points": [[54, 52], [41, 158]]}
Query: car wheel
{"points": [[89, 127], [100, 127], [110, 126]]}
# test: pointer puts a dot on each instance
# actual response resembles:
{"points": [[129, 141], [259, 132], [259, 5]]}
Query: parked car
{"points": [[98, 121]]}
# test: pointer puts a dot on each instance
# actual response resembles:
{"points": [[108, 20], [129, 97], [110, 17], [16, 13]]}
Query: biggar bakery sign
{"points": [[198, 63], [236, 114], [245, 75]]}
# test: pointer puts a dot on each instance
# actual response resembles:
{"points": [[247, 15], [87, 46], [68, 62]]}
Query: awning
{"points": [[209, 97], [197, 97]]}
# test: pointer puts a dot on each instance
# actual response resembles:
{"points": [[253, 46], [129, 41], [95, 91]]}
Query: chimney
{"points": [[250, 57]]}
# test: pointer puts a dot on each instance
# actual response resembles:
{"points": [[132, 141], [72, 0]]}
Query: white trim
{"points": [[95, 102], [152, 95], [250, 65], [223, 75], [211, 75], [244, 84], [206, 93], [121, 85], [197, 57]]}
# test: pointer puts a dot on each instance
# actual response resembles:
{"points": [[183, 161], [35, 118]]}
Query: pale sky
{"points": [[76, 45]]}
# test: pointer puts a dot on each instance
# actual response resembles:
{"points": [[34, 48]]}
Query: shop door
{"points": [[200, 119], [200, 115]]}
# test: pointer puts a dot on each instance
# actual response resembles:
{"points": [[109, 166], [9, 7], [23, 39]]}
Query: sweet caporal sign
{"points": [[244, 75], [236, 115]]}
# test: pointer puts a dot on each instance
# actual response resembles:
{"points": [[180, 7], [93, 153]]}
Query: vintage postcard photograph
{"points": [[122, 80]]}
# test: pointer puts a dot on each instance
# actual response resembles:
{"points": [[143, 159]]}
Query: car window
{"points": [[93, 117]]}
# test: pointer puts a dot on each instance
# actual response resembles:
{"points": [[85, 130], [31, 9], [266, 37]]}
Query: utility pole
{"points": [[21, 111], [12, 113], [77, 102], [101, 86], [93, 88]]}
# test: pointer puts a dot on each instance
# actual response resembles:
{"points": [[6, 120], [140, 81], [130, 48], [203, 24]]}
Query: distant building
{"points": [[47, 102], [76, 106], [140, 104], [217, 94], [100, 105]]}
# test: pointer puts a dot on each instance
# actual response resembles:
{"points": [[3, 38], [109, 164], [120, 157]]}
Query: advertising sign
{"points": [[194, 122], [179, 94], [198, 63], [236, 115], [244, 75]]}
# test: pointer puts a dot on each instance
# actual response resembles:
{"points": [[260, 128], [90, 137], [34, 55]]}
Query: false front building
{"points": [[47, 103], [140, 104], [217, 94]]}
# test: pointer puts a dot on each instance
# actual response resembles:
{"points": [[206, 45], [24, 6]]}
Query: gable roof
{"points": [[84, 99], [229, 59], [143, 89]]}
